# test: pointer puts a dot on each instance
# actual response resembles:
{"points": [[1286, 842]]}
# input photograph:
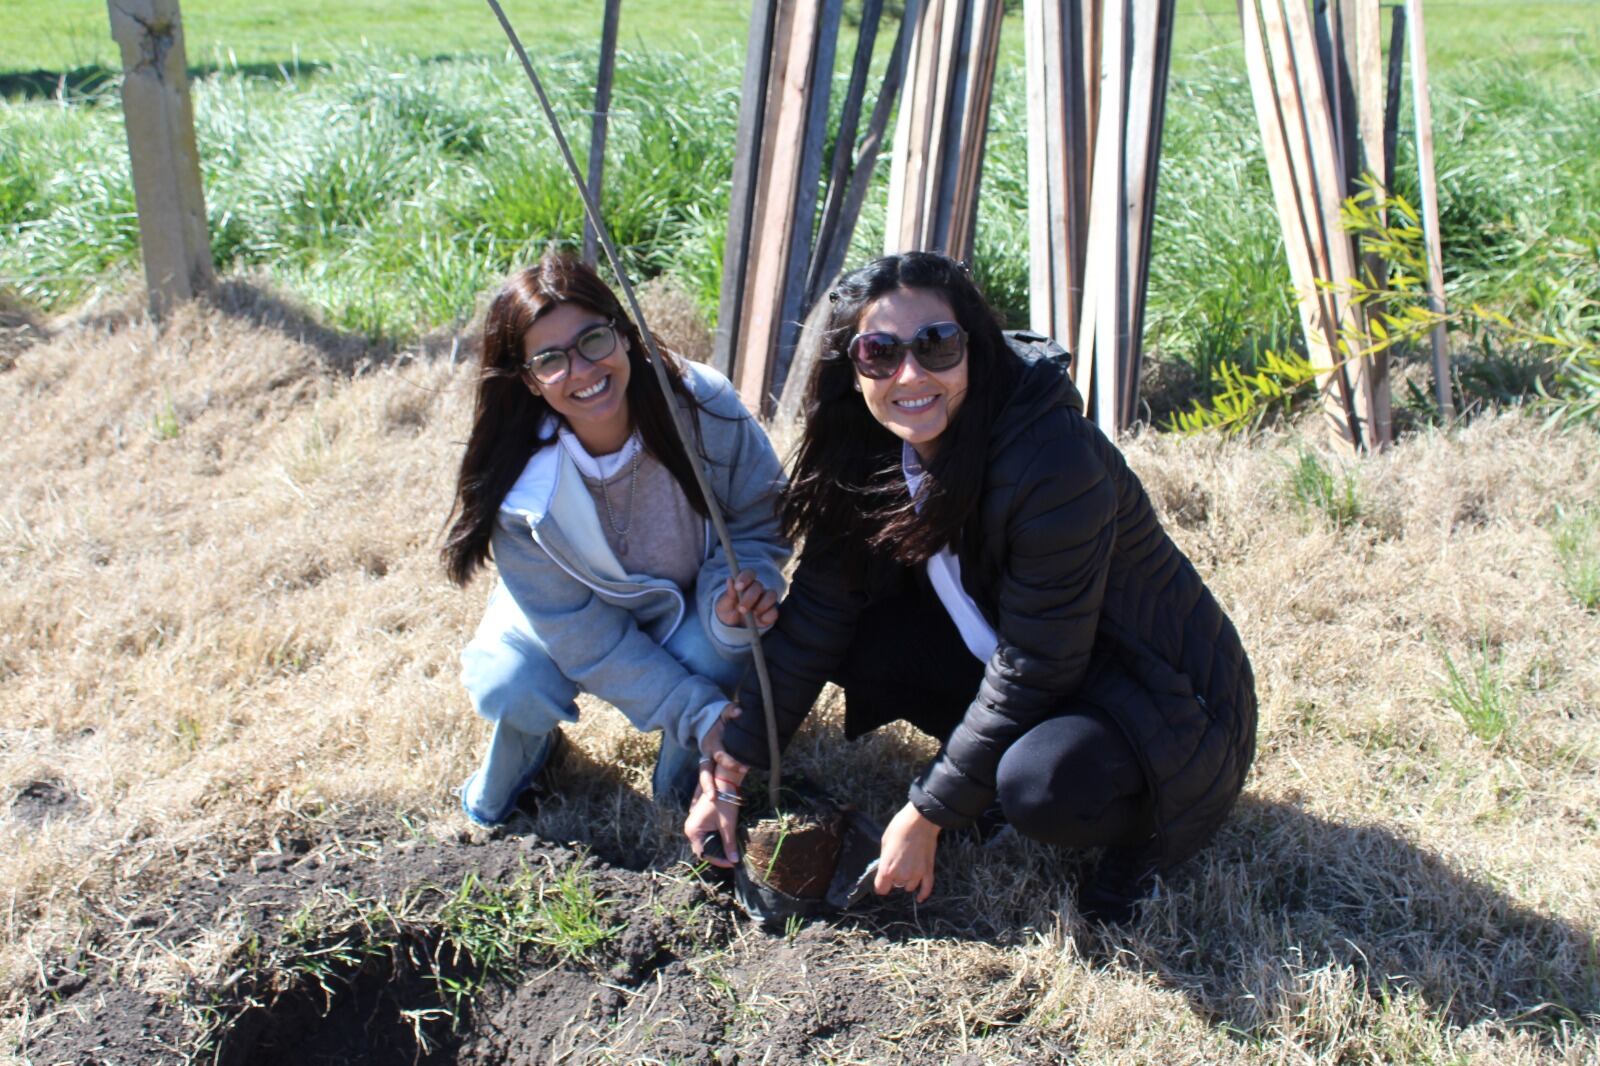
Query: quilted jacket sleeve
{"points": [[816, 623], [1057, 521]]}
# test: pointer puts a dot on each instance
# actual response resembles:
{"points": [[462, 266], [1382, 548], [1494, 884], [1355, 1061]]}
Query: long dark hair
{"points": [[507, 416], [847, 481]]}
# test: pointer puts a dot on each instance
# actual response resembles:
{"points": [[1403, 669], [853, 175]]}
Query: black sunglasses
{"points": [[550, 365], [936, 346]]}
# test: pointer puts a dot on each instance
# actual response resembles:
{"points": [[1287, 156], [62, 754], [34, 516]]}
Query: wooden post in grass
{"points": [[161, 147], [602, 115], [1391, 100], [844, 201], [1430, 206], [794, 128]]}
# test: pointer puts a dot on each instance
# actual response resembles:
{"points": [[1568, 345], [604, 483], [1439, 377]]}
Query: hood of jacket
{"points": [[1045, 383]]}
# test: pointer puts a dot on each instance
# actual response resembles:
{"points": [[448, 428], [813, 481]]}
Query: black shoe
{"points": [[1125, 878]]}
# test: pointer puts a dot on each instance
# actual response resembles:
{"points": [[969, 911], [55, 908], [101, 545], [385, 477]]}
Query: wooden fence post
{"points": [[161, 147]]}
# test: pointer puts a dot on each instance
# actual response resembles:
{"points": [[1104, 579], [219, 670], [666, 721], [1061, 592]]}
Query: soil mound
{"points": [[505, 950]]}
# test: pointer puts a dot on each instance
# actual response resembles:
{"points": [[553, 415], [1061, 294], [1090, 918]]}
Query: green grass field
{"points": [[385, 167], [64, 35], [1558, 37]]}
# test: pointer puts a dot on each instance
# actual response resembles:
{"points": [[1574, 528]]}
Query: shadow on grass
{"points": [[1288, 917], [1287, 907], [90, 82], [341, 351]]}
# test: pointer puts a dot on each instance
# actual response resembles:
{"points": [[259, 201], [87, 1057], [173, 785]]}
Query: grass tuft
{"points": [[1577, 537], [1480, 693], [1318, 486]]}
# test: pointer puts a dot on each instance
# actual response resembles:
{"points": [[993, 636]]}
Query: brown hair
{"points": [[508, 416], [847, 483]]}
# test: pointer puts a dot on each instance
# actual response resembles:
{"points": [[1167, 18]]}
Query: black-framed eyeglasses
{"points": [[936, 346], [550, 365]]}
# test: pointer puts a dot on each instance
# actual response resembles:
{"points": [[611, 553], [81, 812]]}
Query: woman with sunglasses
{"points": [[979, 561], [575, 482]]}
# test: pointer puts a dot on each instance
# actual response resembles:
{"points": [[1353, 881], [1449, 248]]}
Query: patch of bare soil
{"points": [[386, 954], [19, 331]]}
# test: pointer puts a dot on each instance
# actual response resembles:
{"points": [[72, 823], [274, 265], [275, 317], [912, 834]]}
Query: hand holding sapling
{"points": [[747, 596], [708, 815]]}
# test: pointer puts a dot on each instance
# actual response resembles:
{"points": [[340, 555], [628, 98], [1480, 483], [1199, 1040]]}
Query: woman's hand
{"points": [[709, 815], [906, 858], [746, 596]]}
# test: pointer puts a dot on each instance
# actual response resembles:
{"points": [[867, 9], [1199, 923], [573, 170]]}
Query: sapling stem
{"points": [[713, 511]]}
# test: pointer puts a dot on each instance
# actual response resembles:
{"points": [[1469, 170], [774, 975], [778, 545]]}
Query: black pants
{"points": [[1071, 780]]}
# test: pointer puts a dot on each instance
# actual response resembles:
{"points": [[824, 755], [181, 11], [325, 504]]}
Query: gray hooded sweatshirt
{"points": [[603, 627]]}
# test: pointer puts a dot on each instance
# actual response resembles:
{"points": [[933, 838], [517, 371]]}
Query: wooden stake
{"points": [[1430, 206], [844, 147], [746, 172], [1391, 101], [866, 160], [803, 213], [782, 155], [1045, 241], [1152, 49], [602, 112], [159, 120], [1277, 144], [1363, 39]]}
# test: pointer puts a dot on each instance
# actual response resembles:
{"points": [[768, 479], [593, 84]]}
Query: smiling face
{"points": [[914, 404], [593, 396]]}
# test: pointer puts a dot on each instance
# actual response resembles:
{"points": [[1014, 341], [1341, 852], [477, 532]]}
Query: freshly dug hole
{"points": [[381, 1012]]}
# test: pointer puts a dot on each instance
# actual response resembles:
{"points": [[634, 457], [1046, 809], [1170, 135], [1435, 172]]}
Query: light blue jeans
{"points": [[514, 684]]}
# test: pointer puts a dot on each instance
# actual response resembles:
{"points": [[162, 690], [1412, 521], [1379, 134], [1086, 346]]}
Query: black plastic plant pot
{"points": [[811, 858]]}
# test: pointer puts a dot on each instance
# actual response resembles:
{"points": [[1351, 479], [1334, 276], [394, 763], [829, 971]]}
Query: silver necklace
{"points": [[627, 514]]}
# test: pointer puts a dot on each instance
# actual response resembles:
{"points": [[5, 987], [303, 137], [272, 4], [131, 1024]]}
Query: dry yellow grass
{"points": [[222, 620]]}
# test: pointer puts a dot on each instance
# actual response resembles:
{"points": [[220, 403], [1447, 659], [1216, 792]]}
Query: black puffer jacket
{"points": [[1066, 560]]}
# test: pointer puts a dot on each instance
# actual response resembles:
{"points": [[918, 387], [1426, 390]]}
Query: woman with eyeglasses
{"points": [[978, 560], [609, 578]]}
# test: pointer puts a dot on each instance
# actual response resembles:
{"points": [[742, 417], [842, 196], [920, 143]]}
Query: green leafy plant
{"points": [[1480, 694], [491, 924], [164, 424], [1245, 398], [1556, 367], [1577, 536]]}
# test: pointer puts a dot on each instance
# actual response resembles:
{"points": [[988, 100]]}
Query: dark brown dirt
{"points": [[681, 978], [796, 856]]}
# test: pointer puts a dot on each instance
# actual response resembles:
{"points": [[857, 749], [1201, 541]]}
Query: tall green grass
{"points": [[389, 192]]}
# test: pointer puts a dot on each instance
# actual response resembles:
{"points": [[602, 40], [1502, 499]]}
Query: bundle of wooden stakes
{"points": [[778, 257], [1328, 117], [943, 123], [1097, 83]]}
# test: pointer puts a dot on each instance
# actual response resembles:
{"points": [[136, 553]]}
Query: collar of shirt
{"points": [[599, 467], [913, 471]]}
